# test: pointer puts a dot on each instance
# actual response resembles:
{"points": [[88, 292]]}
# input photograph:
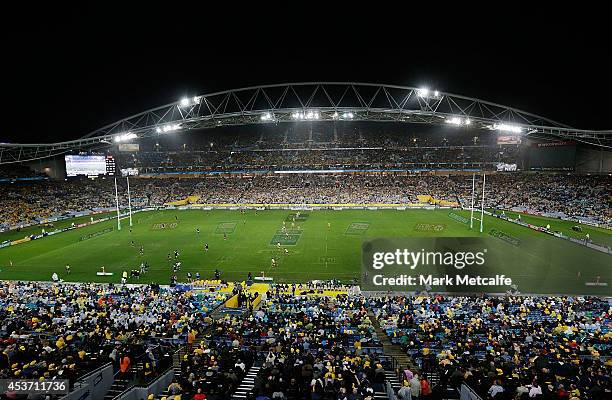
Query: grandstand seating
{"points": [[302, 344], [316, 340], [562, 195], [238, 151]]}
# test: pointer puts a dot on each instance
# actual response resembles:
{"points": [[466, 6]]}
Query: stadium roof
{"points": [[311, 101]]}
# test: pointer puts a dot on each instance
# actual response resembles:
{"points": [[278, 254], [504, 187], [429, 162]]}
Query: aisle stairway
{"points": [[393, 380], [390, 349], [118, 387], [402, 360], [247, 384]]}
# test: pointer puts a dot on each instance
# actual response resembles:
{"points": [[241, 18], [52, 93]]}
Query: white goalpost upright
{"points": [[129, 199], [484, 181], [117, 203], [472, 208], [482, 201]]}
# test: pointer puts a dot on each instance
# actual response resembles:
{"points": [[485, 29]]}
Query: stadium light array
{"points": [[190, 101], [458, 121], [344, 115], [507, 128], [428, 94], [308, 115], [167, 128], [267, 117], [125, 136]]}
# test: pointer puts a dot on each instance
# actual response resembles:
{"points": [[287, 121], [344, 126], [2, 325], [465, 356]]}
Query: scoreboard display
{"points": [[110, 165], [90, 165]]}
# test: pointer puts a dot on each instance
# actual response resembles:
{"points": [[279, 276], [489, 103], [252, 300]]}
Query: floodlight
{"points": [[458, 121], [185, 102], [125, 136], [308, 115], [169, 128], [508, 128], [454, 121], [423, 92], [427, 94]]}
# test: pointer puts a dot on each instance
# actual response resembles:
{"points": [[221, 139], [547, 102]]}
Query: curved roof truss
{"points": [[315, 101]]}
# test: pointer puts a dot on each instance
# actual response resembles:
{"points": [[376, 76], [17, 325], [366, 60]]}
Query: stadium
{"points": [[311, 240]]}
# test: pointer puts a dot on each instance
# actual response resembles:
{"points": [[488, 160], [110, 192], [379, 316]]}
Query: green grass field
{"points": [[315, 251]]}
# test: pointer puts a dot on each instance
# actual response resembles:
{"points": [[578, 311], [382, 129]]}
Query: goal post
{"points": [[482, 202], [117, 204], [484, 181], [472, 207], [129, 199]]}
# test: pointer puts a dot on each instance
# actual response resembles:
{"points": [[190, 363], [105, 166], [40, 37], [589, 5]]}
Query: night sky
{"points": [[61, 81]]}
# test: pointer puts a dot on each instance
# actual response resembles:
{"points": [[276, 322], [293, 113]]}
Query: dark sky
{"points": [[63, 80]]}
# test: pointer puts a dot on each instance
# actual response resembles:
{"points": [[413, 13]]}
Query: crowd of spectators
{"points": [[301, 150], [506, 347], [317, 189], [455, 157], [63, 331], [309, 345], [317, 346], [213, 365], [27, 203], [561, 194]]}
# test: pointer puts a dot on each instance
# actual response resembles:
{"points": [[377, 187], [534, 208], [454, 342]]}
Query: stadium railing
{"points": [[93, 385], [467, 393], [137, 378], [157, 386]]}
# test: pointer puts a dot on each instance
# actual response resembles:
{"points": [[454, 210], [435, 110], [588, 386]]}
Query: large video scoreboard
{"points": [[90, 165]]}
